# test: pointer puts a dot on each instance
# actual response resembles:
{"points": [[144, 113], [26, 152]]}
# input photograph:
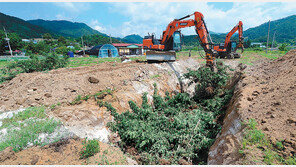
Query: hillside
{"points": [[65, 28], [285, 30], [134, 38], [21, 27]]}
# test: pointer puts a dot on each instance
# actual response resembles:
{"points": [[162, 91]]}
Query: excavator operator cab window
{"points": [[233, 45], [177, 41], [221, 46]]}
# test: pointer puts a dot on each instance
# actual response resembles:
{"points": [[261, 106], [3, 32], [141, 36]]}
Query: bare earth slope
{"points": [[267, 93]]}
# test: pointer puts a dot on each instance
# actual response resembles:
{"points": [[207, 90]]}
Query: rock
{"points": [[48, 95], [183, 162], [6, 154], [255, 93], [93, 80], [249, 99], [34, 159], [291, 120], [131, 161], [164, 162]]}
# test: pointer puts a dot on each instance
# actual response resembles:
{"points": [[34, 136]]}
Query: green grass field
{"points": [[89, 61]]}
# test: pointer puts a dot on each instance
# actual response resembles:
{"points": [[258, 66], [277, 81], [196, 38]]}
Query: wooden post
{"points": [[7, 39], [82, 46], [268, 36], [273, 39]]}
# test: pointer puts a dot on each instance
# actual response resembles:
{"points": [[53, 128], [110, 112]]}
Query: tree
{"points": [[247, 44], [15, 41], [62, 40], [283, 47], [47, 36]]}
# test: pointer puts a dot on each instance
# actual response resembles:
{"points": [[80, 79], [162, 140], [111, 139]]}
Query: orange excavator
{"points": [[163, 49], [228, 48]]}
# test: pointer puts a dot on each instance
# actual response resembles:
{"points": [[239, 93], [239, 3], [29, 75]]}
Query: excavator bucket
{"points": [[160, 55]]}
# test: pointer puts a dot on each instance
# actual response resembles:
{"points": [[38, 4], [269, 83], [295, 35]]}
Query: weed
{"points": [[255, 137], [279, 145], [155, 76], [90, 148], [77, 100], [24, 128]]}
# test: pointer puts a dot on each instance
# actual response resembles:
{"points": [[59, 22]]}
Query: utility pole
{"points": [[268, 36], [110, 39], [7, 39], [273, 39], [82, 46]]}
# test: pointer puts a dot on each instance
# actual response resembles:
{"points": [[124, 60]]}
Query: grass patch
{"points": [[25, 127], [99, 95], [90, 61], [255, 137], [155, 76], [250, 56], [90, 148]]}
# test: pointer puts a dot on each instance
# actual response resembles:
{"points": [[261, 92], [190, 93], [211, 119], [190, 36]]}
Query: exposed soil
{"points": [[267, 94], [65, 152], [271, 100], [63, 85]]}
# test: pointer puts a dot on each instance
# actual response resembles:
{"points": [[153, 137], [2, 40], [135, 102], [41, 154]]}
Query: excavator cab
{"points": [[177, 41]]}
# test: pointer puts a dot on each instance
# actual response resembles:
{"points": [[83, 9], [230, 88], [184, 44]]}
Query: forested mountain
{"points": [[285, 31], [21, 27], [134, 38], [66, 28]]}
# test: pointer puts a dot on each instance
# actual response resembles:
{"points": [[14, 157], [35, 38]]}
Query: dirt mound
{"points": [[64, 152], [272, 101], [267, 94], [64, 85]]}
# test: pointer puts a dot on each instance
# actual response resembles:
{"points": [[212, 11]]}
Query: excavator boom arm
{"points": [[239, 28], [200, 28]]}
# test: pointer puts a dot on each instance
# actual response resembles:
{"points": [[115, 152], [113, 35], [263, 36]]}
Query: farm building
{"points": [[106, 50], [129, 49]]}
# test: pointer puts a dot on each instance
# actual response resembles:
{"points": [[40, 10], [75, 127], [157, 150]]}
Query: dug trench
{"points": [[64, 92]]}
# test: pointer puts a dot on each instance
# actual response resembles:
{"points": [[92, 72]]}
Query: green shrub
{"points": [[90, 148], [49, 62], [209, 82], [283, 47]]}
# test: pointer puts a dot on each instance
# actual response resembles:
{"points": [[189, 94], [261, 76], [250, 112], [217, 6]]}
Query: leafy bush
{"points": [[51, 61], [283, 47], [175, 127], [209, 82], [90, 148]]}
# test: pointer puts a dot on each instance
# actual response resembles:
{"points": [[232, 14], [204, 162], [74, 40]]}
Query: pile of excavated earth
{"points": [[265, 92]]}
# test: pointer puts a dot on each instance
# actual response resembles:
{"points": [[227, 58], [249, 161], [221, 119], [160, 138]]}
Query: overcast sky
{"points": [[122, 18]]}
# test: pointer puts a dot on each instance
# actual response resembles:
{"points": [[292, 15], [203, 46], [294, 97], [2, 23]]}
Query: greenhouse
{"points": [[108, 50], [101, 51]]}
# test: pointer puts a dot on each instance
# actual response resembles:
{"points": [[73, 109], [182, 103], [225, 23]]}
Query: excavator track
{"points": [[152, 56]]}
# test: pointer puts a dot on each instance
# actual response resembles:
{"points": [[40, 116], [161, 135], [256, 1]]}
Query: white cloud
{"points": [[62, 17], [155, 16], [73, 7], [95, 24]]}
